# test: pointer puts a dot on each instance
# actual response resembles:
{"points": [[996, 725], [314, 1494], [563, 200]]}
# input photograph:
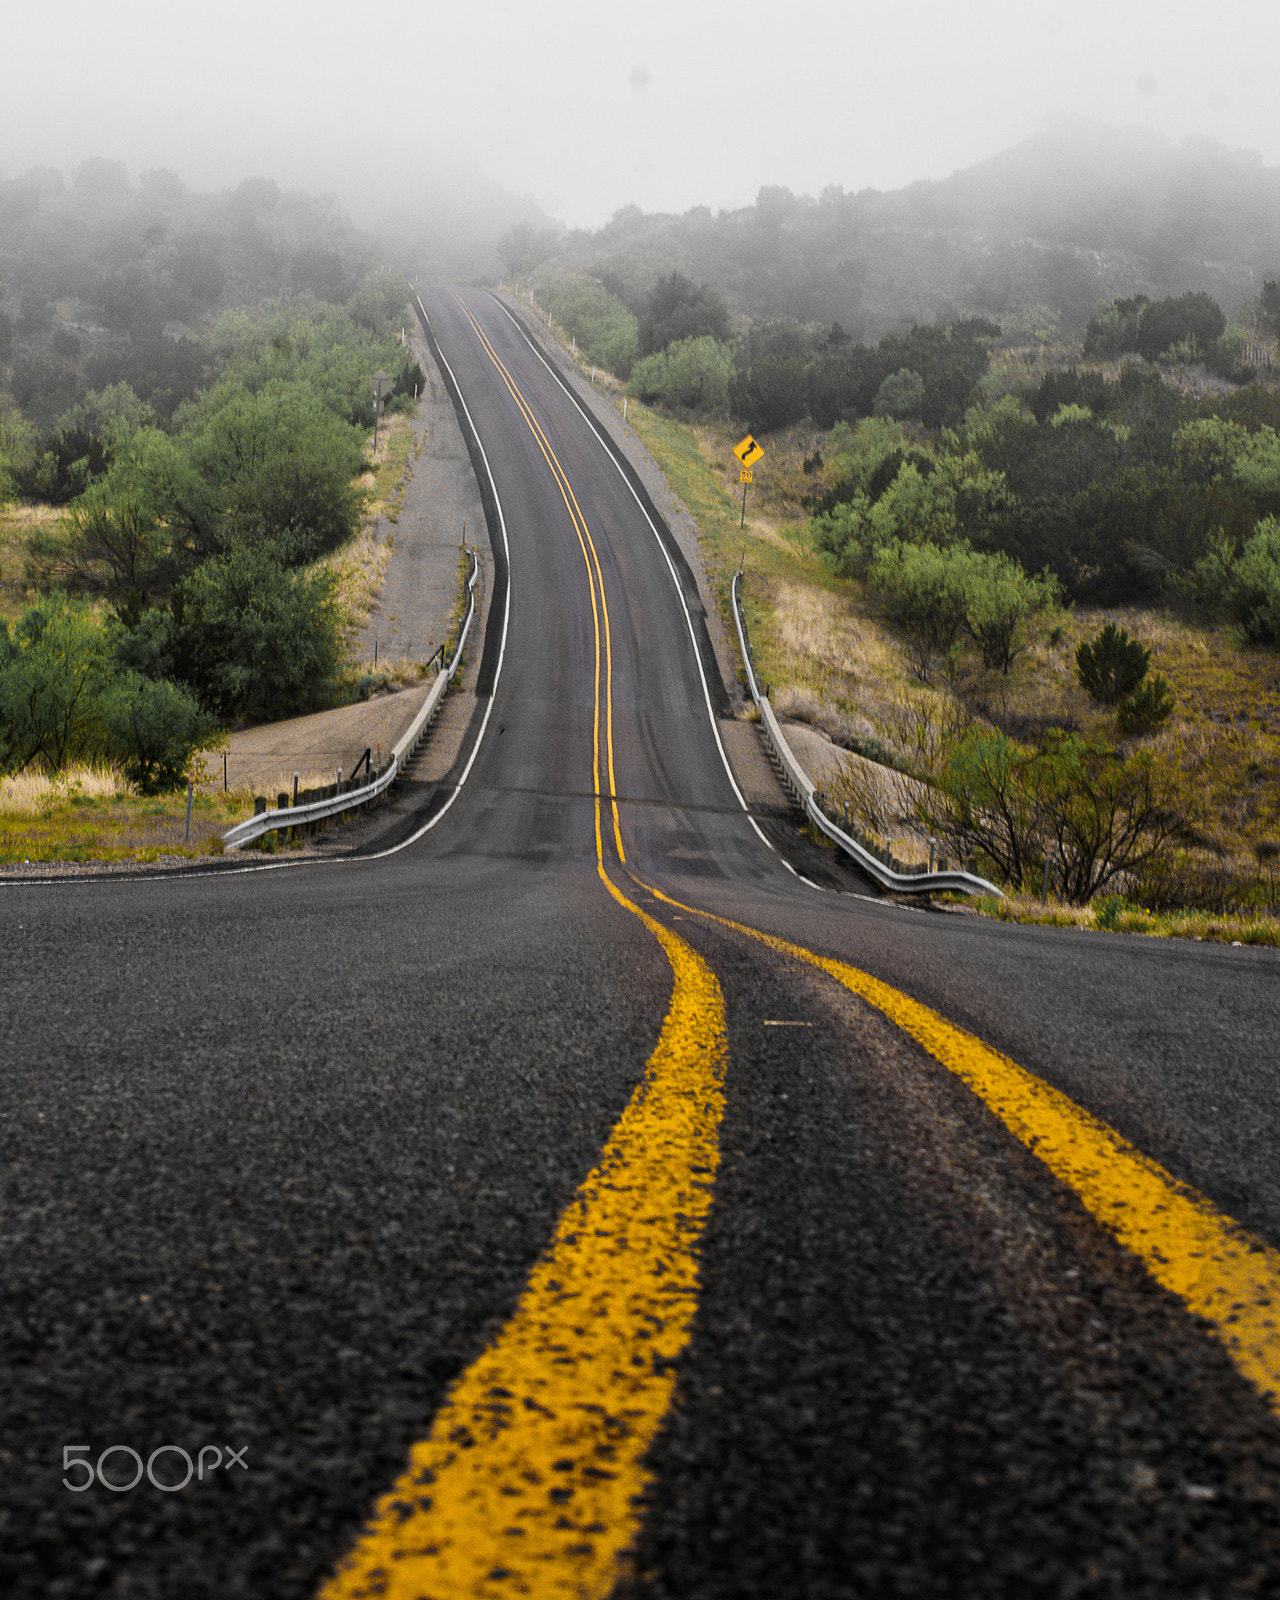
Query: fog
{"points": [[583, 109]]}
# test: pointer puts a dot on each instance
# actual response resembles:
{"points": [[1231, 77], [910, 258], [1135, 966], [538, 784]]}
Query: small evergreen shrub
{"points": [[1146, 709], [1111, 666]]}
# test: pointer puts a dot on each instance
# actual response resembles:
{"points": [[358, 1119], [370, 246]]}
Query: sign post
{"points": [[748, 453]]}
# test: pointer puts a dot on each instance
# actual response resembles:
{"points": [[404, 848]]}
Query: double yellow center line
{"points": [[530, 1478]]}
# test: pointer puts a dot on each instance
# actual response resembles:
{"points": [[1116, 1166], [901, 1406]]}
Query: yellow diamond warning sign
{"points": [[748, 451]]}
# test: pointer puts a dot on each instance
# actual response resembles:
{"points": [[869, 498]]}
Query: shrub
{"points": [[53, 672], [1146, 709], [605, 331], [1112, 665], [1108, 910], [1255, 583], [155, 727], [256, 641]]}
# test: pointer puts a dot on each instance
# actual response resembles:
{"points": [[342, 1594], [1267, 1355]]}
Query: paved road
{"points": [[595, 1191]]}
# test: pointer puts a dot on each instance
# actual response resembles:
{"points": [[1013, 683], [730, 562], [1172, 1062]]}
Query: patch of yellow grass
{"points": [[28, 794], [359, 568]]}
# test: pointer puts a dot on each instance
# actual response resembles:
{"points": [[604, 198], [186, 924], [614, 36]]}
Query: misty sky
{"points": [[587, 106]]}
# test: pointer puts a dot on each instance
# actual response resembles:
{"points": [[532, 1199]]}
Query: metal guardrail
{"points": [[347, 800], [798, 781]]}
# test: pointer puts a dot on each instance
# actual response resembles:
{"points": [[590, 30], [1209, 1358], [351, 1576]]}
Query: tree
{"points": [[281, 465], [1254, 592], [605, 331], [770, 393], [155, 727], [53, 672], [1269, 305], [925, 596], [113, 415], [900, 395], [255, 641], [690, 375], [1000, 601], [1104, 814], [679, 309], [984, 798]]}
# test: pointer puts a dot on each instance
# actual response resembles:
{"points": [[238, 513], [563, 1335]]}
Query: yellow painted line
{"points": [[529, 1481], [1216, 1267], [585, 543]]}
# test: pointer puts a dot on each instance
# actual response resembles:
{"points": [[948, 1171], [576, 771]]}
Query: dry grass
{"points": [[95, 816], [359, 568], [399, 444], [17, 524], [27, 794], [1112, 914]]}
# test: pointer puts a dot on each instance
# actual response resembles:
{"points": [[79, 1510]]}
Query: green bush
{"points": [[1108, 909], [1254, 595], [689, 375], [155, 727], [256, 641], [604, 330], [1111, 666], [1146, 709], [54, 669]]}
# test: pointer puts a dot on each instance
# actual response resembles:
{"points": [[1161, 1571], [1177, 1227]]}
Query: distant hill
{"points": [[1064, 221]]}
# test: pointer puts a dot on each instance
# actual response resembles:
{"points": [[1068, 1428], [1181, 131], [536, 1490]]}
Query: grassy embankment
{"points": [[93, 813], [833, 661]]}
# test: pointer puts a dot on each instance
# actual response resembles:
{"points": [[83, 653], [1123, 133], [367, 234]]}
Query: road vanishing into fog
{"points": [[595, 1192]]}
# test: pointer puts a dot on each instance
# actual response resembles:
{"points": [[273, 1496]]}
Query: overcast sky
{"points": [[588, 106]]}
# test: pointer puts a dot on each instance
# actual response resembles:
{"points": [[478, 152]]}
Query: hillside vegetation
{"points": [[971, 525], [174, 491]]}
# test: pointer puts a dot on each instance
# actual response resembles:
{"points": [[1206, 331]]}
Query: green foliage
{"points": [[1269, 305], [1193, 321], [155, 727], [925, 594], [605, 331], [113, 416], [770, 393], [1058, 389], [1108, 910], [845, 381], [255, 641], [1111, 666], [381, 305], [1000, 602], [689, 375], [280, 464], [1254, 584], [678, 310], [1147, 708], [986, 800], [1091, 812], [900, 395], [53, 673], [934, 594]]}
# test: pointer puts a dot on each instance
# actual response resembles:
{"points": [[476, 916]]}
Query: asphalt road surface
{"points": [[590, 1190]]}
